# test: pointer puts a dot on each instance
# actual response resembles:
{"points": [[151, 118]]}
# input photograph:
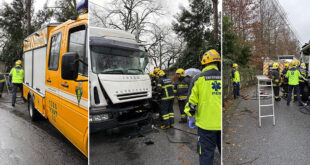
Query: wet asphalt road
{"points": [[288, 142], [30, 143], [124, 146]]}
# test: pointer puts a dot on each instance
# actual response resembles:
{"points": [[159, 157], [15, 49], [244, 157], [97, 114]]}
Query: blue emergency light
{"points": [[82, 5]]}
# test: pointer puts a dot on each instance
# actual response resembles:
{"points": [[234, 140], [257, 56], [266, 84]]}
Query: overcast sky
{"points": [[299, 15]]}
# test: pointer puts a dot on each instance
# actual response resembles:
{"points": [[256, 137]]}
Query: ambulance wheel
{"points": [[33, 113]]}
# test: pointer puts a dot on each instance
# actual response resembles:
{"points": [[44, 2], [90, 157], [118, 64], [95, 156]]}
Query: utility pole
{"points": [[28, 4], [215, 13]]}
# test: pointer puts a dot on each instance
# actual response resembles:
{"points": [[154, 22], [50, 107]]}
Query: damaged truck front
{"points": [[120, 90]]}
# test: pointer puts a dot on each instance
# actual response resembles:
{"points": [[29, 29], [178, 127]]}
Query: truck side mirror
{"points": [[70, 66]]}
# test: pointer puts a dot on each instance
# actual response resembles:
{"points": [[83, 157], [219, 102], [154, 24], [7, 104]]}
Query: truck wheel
{"points": [[33, 113]]}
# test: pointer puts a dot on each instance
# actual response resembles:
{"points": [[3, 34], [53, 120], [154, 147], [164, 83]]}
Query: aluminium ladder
{"points": [[265, 79]]}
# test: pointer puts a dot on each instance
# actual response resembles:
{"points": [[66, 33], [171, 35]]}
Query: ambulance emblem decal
{"points": [[79, 93]]}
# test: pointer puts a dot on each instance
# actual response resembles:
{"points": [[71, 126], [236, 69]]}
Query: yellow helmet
{"points": [[294, 63], [180, 71], [235, 65], [18, 62], [275, 65], [211, 56], [303, 64], [156, 69], [161, 73], [152, 74], [286, 65]]}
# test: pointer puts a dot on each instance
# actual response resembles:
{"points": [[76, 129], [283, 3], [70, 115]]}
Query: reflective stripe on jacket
{"points": [[293, 76], [205, 95], [303, 76], [275, 76], [165, 88], [181, 87]]}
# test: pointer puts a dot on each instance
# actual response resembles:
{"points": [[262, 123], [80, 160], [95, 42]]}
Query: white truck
{"points": [[305, 55], [120, 90]]}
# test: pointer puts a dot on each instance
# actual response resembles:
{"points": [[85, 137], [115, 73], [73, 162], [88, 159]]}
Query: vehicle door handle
{"points": [[48, 80], [65, 85]]}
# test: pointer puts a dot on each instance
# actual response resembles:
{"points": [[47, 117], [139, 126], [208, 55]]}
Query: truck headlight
{"points": [[100, 117]]}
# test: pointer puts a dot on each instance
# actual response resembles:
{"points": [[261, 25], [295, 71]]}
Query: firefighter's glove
{"points": [[191, 122]]}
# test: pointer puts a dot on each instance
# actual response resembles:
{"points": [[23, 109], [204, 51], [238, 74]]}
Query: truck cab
{"points": [[120, 90]]}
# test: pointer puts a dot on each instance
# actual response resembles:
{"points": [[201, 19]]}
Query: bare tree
{"points": [[130, 15], [165, 48]]}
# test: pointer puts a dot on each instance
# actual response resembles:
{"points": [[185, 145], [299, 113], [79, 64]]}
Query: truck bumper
{"points": [[117, 117]]}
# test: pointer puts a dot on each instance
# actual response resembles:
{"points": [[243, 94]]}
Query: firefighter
{"points": [[153, 80], [17, 77], [302, 80], [165, 90], [236, 80], [275, 76], [293, 76], [204, 103], [284, 80], [181, 90], [2, 83]]}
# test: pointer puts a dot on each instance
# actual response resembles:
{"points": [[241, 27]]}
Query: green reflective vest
{"points": [[17, 75], [235, 75], [205, 94], [293, 76]]}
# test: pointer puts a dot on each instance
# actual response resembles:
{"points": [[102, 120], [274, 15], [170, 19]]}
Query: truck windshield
{"points": [[111, 60]]}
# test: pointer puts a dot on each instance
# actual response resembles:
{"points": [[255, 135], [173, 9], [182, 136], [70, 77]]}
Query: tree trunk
{"points": [[215, 12], [28, 17]]}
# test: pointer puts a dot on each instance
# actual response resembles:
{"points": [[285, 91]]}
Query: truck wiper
{"points": [[136, 69], [112, 71]]}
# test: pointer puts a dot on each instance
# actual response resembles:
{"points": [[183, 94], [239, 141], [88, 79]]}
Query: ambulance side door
{"points": [[75, 106]]}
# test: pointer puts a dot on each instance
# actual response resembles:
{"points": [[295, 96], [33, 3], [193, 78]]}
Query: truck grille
{"points": [[128, 96]]}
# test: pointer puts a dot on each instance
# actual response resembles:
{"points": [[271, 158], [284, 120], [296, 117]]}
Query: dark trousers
{"points": [[276, 91], [167, 112], [181, 107], [296, 89], [15, 86], [236, 89], [207, 142], [1, 87], [285, 89], [302, 91]]}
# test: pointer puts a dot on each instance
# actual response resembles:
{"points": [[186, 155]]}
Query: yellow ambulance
{"points": [[56, 78]]}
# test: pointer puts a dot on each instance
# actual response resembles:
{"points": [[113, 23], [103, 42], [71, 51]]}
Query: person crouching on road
{"points": [[293, 76], [284, 80], [275, 76], [181, 89], [204, 102], [165, 90], [236, 80], [17, 74]]}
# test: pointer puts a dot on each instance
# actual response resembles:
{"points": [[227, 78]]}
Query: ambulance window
{"points": [[54, 52], [77, 38]]}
